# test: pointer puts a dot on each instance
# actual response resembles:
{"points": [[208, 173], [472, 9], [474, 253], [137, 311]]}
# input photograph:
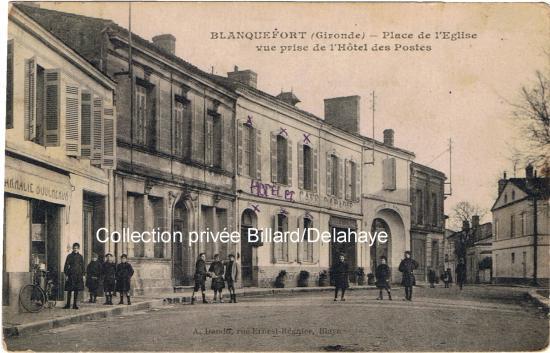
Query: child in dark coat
{"points": [[109, 279], [93, 272], [406, 267], [74, 272], [431, 277], [383, 278], [124, 273], [447, 278], [200, 278], [216, 270], [339, 273]]}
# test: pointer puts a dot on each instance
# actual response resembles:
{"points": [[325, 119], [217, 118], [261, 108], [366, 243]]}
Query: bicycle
{"points": [[34, 298]]}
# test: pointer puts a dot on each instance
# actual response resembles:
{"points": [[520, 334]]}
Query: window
{"points": [[308, 167], [496, 229], [135, 219], [513, 258], [389, 174], [282, 175], [505, 198], [419, 206], [9, 87], [182, 127], [435, 215], [221, 223], [522, 220], [213, 138], [248, 150], [335, 175], [140, 133], [351, 181], [281, 248], [513, 195], [512, 226], [306, 246], [157, 207]]}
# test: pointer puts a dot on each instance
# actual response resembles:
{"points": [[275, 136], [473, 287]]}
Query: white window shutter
{"points": [[315, 170], [300, 165], [357, 186], [109, 137], [348, 185], [273, 157], [340, 178], [389, 173], [72, 120], [52, 106], [289, 162], [97, 130], [86, 138], [329, 175], [258, 147], [240, 153], [274, 244], [30, 99]]}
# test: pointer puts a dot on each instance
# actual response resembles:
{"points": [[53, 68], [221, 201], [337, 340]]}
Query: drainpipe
{"points": [[535, 240]]}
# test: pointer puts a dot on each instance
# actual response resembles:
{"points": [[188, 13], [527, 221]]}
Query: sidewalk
{"points": [[19, 324]]}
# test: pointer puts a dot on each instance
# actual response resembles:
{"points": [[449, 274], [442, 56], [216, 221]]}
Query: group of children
{"points": [[114, 277], [220, 273]]}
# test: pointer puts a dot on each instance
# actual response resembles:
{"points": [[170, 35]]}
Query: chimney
{"points": [[475, 221], [501, 184], [465, 225], [166, 42], [289, 98], [529, 171], [388, 137], [343, 112], [247, 77]]}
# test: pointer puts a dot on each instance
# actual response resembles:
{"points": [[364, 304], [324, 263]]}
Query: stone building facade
{"points": [[427, 219], [173, 170], [60, 156], [521, 229]]}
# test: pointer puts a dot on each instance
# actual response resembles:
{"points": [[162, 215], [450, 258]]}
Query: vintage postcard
{"points": [[276, 176]]}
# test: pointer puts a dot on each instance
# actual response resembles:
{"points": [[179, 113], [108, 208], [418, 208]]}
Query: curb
{"points": [[539, 300], [25, 329]]}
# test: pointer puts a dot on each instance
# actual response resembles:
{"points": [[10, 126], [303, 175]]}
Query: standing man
{"points": [[339, 273], [231, 276], [407, 266], [431, 277], [200, 278], [460, 273], [93, 272], [124, 273], [218, 284], [74, 272]]}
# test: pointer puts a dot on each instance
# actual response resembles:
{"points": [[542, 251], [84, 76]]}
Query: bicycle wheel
{"points": [[32, 298]]}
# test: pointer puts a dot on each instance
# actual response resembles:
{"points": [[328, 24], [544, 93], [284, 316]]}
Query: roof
{"points": [[429, 170], [534, 186], [70, 28]]}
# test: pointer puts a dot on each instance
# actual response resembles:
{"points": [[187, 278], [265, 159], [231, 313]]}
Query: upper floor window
{"points": [[435, 209], [419, 206], [9, 86], [249, 150], [214, 138], [145, 127], [389, 174], [281, 159], [513, 195], [182, 126], [333, 175], [512, 225], [352, 184], [307, 167], [496, 229]]}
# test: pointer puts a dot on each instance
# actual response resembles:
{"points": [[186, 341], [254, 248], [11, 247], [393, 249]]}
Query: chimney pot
{"points": [[465, 225], [475, 221], [166, 42], [288, 97], [388, 137]]}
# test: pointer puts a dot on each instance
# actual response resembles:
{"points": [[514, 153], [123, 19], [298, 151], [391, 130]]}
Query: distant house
{"points": [[521, 229]]}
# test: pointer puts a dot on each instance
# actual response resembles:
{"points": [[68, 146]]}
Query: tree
{"points": [[464, 211], [531, 112]]}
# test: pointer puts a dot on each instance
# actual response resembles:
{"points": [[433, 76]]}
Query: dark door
{"points": [[346, 248], [247, 272], [181, 261]]}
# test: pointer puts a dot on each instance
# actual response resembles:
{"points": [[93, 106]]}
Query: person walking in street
{"points": [[74, 272], [231, 276], [200, 278], [382, 274], [406, 267], [447, 278], [431, 277], [93, 273], [339, 273], [108, 272], [460, 273], [124, 273], [216, 270]]}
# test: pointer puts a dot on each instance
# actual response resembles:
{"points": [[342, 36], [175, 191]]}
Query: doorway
{"points": [[45, 242], [248, 220], [93, 218], [380, 249], [180, 253], [348, 249]]}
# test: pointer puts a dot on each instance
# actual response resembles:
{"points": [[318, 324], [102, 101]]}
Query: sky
{"points": [[460, 90]]}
